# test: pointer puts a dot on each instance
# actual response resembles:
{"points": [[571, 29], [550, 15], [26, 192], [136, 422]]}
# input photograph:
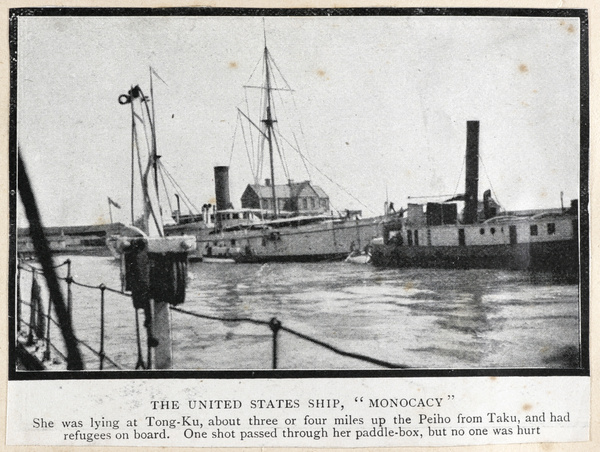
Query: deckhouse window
{"points": [[416, 238], [533, 229], [551, 228], [409, 237]]}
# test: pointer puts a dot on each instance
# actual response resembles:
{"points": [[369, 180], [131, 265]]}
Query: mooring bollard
{"points": [[155, 273]]}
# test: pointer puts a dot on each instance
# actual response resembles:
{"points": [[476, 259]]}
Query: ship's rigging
{"points": [[269, 135]]}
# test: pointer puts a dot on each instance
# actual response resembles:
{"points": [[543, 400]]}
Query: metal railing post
{"points": [[47, 351], [102, 355], [69, 280], [32, 307], [275, 326]]}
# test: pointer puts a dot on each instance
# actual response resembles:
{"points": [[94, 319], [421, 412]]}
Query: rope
{"points": [[222, 319], [275, 325], [39, 269], [87, 286], [344, 353], [98, 354], [79, 341]]}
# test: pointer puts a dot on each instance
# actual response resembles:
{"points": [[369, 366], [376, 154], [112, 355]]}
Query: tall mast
{"points": [[269, 123], [155, 156]]}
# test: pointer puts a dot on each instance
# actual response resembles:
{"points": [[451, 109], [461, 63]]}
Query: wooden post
{"points": [[161, 330]]}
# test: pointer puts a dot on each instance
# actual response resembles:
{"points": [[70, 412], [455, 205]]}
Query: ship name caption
{"points": [[360, 419]]}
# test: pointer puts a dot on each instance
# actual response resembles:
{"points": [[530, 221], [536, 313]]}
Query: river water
{"points": [[423, 318]]}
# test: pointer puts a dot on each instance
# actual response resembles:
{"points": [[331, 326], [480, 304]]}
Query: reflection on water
{"points": [[419, 317]]}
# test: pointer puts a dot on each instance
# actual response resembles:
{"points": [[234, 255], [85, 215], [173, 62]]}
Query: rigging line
{"points": [[154, 154], [254, 70], [489, 180], [281, 150], [300, 126], [462, 167], [178, 189], [248, 154], [261, 138], [183, 196], [145, 127], [233, 141], [139, 159], [174, 182], [328, 178], [281, 157], [261, 155], [279, 71], [248, 110], [252, 169], [303, 162], [162, 177]]}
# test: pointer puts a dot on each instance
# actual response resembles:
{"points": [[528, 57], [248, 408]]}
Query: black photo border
{"points": [[584, 370]]}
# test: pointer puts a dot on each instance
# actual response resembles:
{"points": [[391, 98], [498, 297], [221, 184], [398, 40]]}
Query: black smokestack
{"points": [[472, 172], [222, 187]]}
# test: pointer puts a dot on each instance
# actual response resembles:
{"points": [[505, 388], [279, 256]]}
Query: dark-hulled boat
{"points": [[435, 235]]}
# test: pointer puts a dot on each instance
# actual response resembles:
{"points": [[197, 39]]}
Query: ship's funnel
{"points": [[222, 187], [472, 172]]}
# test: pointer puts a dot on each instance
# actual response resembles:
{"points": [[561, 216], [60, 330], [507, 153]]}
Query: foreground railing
{"points": [[40, 320]]}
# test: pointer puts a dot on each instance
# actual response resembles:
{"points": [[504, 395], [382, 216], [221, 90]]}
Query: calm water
{"points": [[421, 318]]}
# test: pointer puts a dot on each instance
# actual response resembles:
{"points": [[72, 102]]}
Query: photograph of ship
{"points": [[300, 192]]}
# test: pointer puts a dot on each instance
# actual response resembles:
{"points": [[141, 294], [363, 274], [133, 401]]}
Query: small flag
{"points": [[110, 201]]}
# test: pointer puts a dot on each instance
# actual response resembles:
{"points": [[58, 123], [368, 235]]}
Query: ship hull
{"points": [[555, 257], [558, 254], [311, 243]]}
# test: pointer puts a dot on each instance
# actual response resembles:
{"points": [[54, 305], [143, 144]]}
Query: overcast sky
{"points": [[380, 105]]}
